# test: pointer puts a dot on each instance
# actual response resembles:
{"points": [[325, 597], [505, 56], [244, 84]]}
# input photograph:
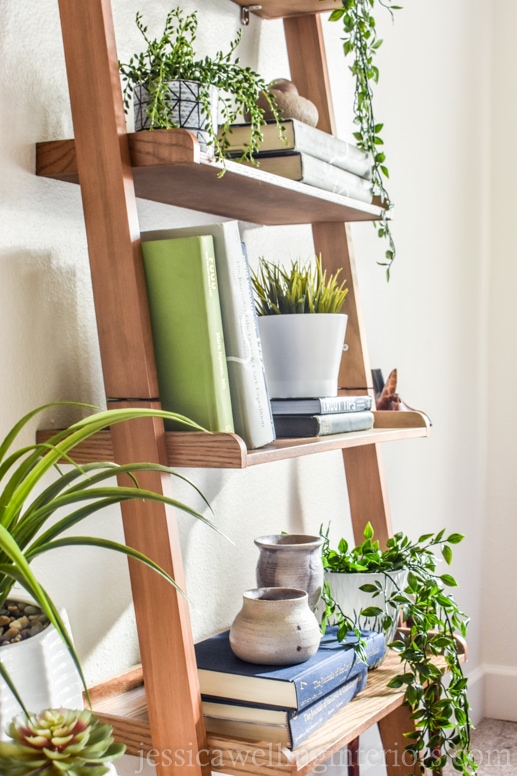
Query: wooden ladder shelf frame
{"points": [[108, 194]]}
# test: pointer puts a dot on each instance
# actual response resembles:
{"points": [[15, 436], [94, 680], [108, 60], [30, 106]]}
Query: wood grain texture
{"points": [[367, 491], [278, 9], [228, 451], [168, 168], [308, 65], [109, 203]]}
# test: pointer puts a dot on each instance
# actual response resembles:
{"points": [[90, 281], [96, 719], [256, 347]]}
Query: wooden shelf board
{"points": [[278, 9], [168, 168], [193, 449], [124, 707]]}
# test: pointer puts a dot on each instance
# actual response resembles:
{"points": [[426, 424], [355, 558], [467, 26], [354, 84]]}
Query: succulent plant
{"points": [[58, 742]]}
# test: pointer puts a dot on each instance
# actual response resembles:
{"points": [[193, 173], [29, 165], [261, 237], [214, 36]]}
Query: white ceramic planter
{"points": [[345, 591], [302, 353], [186, 110], [43, 673]]}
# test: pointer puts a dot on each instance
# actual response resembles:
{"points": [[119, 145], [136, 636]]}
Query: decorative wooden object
{"points": [[113, 168]]}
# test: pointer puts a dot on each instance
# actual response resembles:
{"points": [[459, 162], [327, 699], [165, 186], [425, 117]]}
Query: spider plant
{"points": [[28, 524], [302, 288]]}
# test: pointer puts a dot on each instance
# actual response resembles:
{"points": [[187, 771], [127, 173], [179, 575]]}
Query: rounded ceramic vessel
{"points": [[346, 592], [291, 560], [275, 627], [302, 353]]}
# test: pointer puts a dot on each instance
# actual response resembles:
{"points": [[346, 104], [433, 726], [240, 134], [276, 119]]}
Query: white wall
{"points": [[431, 321]]}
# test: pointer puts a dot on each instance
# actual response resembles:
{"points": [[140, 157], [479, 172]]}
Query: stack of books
{"points": [[205, 330], [283, 704], [310, 156], [321, 416]]}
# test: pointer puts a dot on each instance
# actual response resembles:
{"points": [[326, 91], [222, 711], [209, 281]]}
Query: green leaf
{"points": [[448, 580], [447, 553], [455, 538]]}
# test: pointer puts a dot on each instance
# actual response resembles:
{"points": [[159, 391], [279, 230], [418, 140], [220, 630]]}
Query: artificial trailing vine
{"points": [[360, 40]]}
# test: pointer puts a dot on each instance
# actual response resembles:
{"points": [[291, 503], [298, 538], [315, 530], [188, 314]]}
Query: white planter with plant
{"points": [[59, 742], [171, 58], [302, 330], [29, 528], [432, 622]]}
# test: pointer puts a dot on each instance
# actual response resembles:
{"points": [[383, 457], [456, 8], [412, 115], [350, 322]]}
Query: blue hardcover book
{"points": [[288, 727], [223, 675]]}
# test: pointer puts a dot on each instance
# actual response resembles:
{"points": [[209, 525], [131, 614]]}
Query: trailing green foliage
{"points": [[432, 618], [172, 56], [58, 742], [361, 42], [302, 288], [27, 505]]}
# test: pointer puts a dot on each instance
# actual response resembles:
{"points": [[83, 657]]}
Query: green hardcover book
{"points": [[187, 330]]}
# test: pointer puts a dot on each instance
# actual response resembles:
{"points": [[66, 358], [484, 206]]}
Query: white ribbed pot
{"points": [[302, 353], [185, 110], [42, 672], [345, 589]]}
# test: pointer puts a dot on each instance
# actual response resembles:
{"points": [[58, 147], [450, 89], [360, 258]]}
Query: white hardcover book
{"points": [[250, 400]]}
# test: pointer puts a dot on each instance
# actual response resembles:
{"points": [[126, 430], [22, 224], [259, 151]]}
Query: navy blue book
{"points": [[223, 675], [288, 727]]}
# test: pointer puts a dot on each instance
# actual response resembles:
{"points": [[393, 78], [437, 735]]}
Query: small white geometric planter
{"points": [[42, 672], [185, 110], [302, 353]]}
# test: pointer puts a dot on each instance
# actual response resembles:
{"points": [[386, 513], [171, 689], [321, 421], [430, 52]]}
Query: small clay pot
{"points": [[291, 560], [275, 627]]}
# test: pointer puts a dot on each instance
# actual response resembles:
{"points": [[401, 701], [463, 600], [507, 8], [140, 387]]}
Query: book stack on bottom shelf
{"points": [[285, 704], [311, 156], [313, 417]]}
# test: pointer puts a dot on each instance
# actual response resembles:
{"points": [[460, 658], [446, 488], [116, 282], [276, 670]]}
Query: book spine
{"points": [[250, 399], [332, 149], [338, 671], [303, 723], [316, 172], [330, 404], [187, 330], [342, 422]]}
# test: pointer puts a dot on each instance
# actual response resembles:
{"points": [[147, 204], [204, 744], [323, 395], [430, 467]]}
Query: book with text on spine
{"points": [[223, 675], [249, 396], [322, 425], [187, 330], [321, 406], [287, 727], [304, 139], [315, 172]]}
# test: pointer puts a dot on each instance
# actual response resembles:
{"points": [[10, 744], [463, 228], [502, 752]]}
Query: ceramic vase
{"points": [[275, 627], [185, 109], [302, 353], [291, 560], [42, 672], [346, 592]]}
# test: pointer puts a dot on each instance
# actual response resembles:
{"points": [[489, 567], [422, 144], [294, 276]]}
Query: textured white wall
{"points": [[430, 321]]}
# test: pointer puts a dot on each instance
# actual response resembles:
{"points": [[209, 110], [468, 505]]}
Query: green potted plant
{"points": [[302, 328], [59, 742], [172, 87], [35, 515], [402, 582]]}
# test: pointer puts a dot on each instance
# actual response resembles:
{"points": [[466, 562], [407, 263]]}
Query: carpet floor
{"points": [[494, 744]]}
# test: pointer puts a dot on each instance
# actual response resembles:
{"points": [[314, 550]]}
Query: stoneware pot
{"points": [[43, 673], [302, 353], [275, 627], [345, 591], [291, 560], [186, 110]]}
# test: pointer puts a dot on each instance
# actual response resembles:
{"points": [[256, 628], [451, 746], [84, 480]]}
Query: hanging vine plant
{"points": [[361, 42]]}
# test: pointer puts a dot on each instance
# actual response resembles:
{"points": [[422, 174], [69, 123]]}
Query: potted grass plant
{"points": [[370, 587], [172, 87], [35, 516], [59, 742], [302, 328]]}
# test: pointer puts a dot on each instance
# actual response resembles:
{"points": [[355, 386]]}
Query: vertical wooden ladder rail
{"points": [[363, 465], [112, 228]]}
